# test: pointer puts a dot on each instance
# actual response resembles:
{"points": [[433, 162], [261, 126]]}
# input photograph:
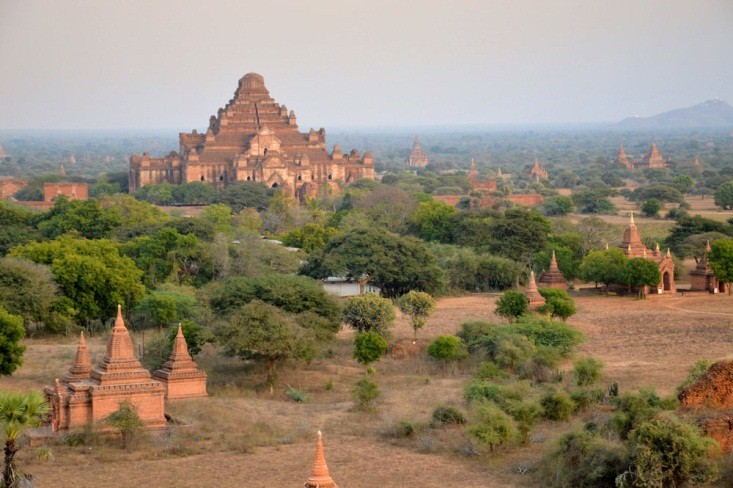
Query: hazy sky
{"points": [[159, 64]]}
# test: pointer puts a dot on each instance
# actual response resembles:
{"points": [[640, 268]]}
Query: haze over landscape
{"points": [[138, 64]]}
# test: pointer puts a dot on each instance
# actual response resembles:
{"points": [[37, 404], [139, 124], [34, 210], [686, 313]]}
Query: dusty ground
{"points": [[242, 436]]}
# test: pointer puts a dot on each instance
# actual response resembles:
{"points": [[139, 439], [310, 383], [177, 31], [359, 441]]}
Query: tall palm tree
{"points": [[18, 412]]}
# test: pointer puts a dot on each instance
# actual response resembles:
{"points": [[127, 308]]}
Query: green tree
{"points": [[239, 195], [366, 393], [664, 193], [220, 215], [512, 304], [369, 313], [369, 347], [261, 332], [667, 451], [687, 226], [447, 348], [491, 425], [651, 207], [18, 224], [91, 273], [640, 273], [604, 266], [432, 221], [721, 261], [293, 294], [127, 421], [595, 200], [724, 196], [557, 303], [193, 193], [558, 205], [29, 290], [18, 412], [395, 264], [519, 233], [165, 307], [418, 305], [311, 237], [87, 217], [11, 350], [582, 459]]}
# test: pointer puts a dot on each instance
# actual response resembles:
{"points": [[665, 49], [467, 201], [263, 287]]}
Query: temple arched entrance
{"points": [[667, 281]]}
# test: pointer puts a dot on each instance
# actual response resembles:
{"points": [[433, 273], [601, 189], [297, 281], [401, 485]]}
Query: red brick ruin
{"points": [[634, 248], [253, 138], [533, 295], [710, 399]]}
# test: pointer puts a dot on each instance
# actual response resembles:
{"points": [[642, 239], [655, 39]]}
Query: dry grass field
{"points": [[242, 436]]}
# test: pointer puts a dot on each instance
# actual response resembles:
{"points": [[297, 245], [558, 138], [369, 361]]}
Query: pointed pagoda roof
{"points": [[533, 295], [82, 366], [180, 359], [553, 277], [120, 365], [537, 171], [472, 171], [181, 374], [654, 158], [631, 244], [320, 477], [622, 158]]}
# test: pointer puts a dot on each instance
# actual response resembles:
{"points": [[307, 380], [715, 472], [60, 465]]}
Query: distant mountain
{"points": [[710, 114]]}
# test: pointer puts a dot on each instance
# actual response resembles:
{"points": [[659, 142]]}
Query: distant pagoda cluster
{"points": [[253, 138], [652, 160]]}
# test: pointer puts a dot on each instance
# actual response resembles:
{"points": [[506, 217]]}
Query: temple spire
{"points": [[707, 246], [553, 261], [631, 218], [180, 348], [320, 477]]}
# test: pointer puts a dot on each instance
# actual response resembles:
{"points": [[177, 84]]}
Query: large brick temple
{"points": [[253, 138]]}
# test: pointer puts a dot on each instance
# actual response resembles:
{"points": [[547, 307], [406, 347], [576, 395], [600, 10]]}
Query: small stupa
{"points": [[702, 277], [180, 375], [320, 477], [553, 278], [82, 367], [533, 295]]}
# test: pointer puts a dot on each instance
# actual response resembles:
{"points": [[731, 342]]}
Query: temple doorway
{"points": [[667, 281]]}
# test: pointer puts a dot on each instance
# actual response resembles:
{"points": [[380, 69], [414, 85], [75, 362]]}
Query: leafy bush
{"points": [[557, 405], [127, 421], [545, 332], [634, 409], [473, 332], [418, 305], [446, 415], [369, 347], [489, 371], [447, 348], [510, 351], [404, 428], [366, 393], [584, 460], [512, 305], [585, 397], [557, 303], [542, 366], [491, 426], [587, 371], [666, 451]]}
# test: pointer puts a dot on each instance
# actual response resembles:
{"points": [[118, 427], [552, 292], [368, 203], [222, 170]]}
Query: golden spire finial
{"points": [[631, 220]]}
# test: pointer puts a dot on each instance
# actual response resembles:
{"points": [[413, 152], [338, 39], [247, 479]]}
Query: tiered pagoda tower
{"points": [[654, 159], [537, 172], [634, 248], [253, 138], [553, 278], [417, 157], [180, 375]]}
